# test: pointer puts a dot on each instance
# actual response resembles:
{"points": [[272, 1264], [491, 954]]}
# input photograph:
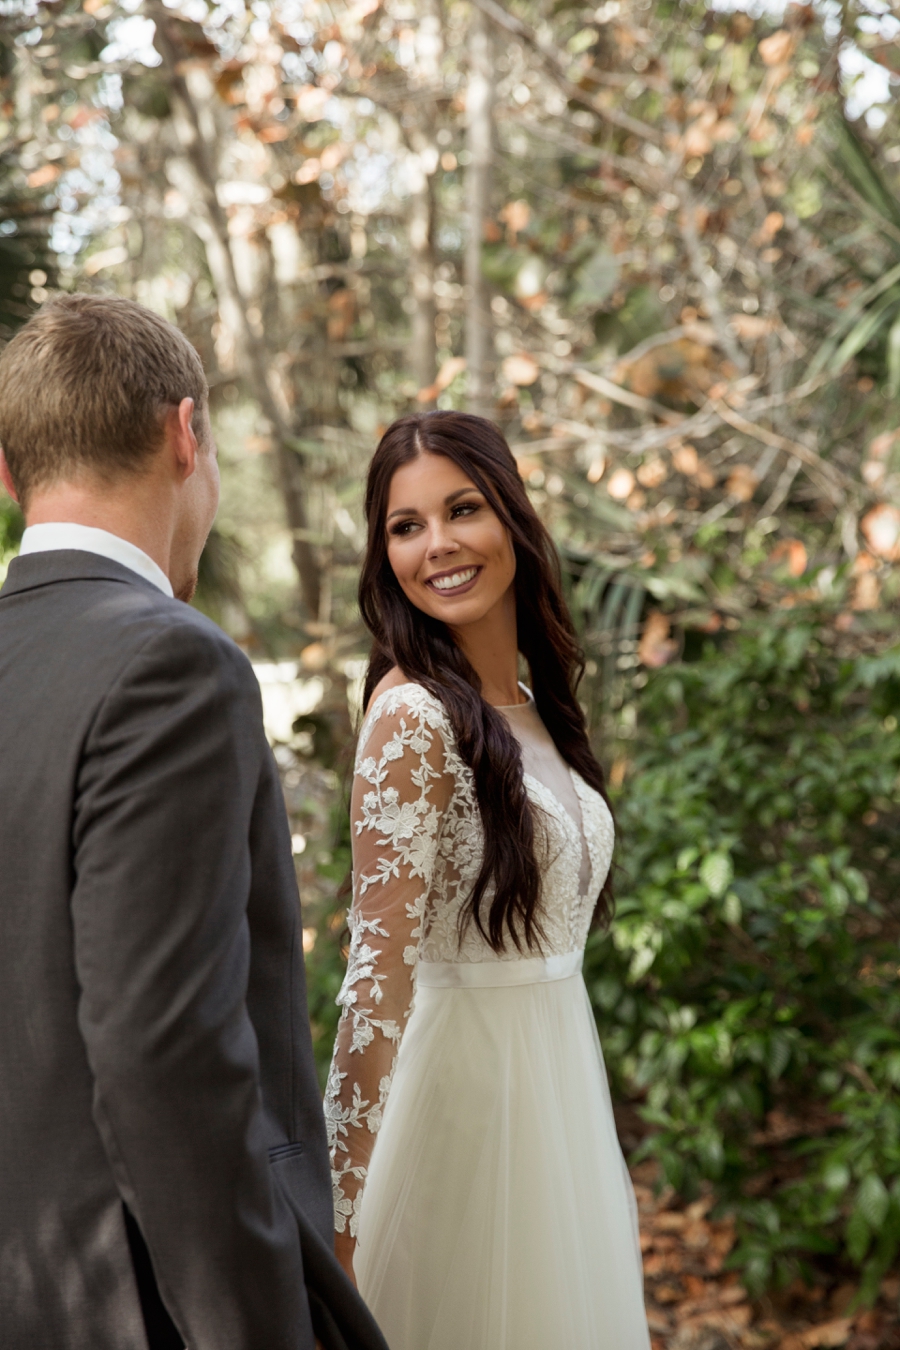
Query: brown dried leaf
{"points": [[652, 473], [827, 1334], [696, 141], [728, 1320], [742, 482], [521, 369], [685, 459], [866, 593], [671, 1221], [621, 484], [751, 326], [773, 222], [880, 447], [453, 366], [516, 216], [42, 177], [881, 527], [777, 49]]}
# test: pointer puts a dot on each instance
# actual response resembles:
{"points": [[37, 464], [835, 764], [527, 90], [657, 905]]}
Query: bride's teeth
{"points": [[457, 579]]}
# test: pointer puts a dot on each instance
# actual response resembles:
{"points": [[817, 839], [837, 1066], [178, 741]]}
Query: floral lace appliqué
{"points": [[417, 847]]}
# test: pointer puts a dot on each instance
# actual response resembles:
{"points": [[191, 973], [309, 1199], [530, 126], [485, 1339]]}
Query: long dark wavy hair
{"points": [[505, 898]]}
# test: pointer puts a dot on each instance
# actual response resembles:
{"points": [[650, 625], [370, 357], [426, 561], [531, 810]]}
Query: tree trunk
{"points": [[423, 350], [479, 106], [418, 124], [200, 157]]}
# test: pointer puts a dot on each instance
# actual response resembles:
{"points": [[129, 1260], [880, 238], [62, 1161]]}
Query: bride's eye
{"points": [[464, 509], [402, 527]]}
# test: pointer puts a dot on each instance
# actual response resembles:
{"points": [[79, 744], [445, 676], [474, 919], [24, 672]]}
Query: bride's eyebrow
{"points": [[448, 501]]}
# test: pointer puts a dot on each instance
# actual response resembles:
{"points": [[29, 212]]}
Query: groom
{"points": [[163, 1171]]}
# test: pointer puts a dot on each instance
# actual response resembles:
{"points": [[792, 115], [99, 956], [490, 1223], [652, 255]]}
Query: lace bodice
{"points": [[417, 841]]}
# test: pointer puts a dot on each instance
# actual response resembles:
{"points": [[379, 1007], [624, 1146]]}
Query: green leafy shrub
{"points": [[11, 526], [748, 995]]}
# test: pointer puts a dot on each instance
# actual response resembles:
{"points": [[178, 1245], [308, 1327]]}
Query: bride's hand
{"points": [[344, 1247]]}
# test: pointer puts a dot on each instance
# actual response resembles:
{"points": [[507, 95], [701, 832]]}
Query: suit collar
{"points": [[67, 534], [65, 564]]}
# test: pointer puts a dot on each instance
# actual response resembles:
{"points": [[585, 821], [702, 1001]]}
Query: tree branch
{"points": [[555, 69], [836, 483]]}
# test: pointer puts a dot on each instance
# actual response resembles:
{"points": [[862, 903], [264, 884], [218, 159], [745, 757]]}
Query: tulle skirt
{"points": [[498, 1213]]}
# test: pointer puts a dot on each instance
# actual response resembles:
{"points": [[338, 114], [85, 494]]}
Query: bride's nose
{"points": [[440, 540]]}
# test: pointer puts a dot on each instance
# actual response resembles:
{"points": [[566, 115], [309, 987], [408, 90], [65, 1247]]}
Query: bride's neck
{"points": [[491, 645]]}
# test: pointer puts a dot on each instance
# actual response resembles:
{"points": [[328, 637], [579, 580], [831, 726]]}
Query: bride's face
{"points": [[450, 552]]}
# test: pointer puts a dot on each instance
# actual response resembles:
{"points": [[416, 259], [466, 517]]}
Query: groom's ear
{"points": [[6, 478], [181, 436]]}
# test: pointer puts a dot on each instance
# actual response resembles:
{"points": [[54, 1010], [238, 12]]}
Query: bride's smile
{"points": [[449, 550], [453, 582]]}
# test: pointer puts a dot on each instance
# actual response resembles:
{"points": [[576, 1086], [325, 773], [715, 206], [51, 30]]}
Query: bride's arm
{"points": [[401, 789]]}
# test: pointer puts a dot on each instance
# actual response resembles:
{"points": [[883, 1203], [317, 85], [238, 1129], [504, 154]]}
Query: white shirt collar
{"points": [[86, 539]]}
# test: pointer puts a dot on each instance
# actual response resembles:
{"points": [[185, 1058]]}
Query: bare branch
{"points": [[553, 65], [836, 483], [707, 278], [601, 385]]}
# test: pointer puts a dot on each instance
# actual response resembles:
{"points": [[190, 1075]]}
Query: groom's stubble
{"points": [[188, 589]]}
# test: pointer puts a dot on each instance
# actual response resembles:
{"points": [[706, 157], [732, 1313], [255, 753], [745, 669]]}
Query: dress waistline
{"points": [[497, 974]]}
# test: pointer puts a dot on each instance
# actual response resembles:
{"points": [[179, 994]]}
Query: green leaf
{"points": [[716, 873], [863, 332], [836, 1176], [806, 198], [582, 40], [858, 163], [855, 308], [858, 1236], [678, 587], [686, 857], [779, 1055], [595, 280], [893, 358], [873, 1201], [732, 908]]}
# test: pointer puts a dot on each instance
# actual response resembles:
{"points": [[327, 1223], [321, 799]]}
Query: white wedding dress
{"points": [[474, 1151]]}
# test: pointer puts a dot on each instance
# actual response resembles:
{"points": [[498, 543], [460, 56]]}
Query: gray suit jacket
{"points": [[154, 1040]]}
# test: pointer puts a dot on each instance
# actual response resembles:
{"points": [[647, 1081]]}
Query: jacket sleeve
{"points": [[161, 879]]}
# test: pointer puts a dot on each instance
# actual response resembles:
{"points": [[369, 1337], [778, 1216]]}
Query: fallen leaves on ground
{"points": [[694, 1302]]}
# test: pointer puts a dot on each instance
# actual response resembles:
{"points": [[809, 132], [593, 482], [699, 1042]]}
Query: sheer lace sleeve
{"points": [[401, 790]]}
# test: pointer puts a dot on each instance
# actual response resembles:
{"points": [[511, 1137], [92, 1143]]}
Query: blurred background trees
{"points": [[660, 244]]}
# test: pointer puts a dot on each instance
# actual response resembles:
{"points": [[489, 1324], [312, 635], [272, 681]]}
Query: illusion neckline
{"points": [[511, 707]]}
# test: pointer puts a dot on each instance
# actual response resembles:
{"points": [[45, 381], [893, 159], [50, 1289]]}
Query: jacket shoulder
{"points": [[172, 630]]}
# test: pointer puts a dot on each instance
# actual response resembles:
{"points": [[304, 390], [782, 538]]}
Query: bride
{"points": [[481, 1197]]}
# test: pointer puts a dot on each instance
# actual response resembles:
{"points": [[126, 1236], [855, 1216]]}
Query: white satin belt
{"points": [[497, 974]]}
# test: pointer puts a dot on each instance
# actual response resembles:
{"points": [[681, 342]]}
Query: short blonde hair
{"points": [[84, 385]]}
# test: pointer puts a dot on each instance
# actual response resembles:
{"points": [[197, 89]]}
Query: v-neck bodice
{"points": [[543, 764]]}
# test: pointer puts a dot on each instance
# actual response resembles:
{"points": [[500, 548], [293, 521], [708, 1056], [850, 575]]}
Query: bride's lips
{"points": [[453, 590]]}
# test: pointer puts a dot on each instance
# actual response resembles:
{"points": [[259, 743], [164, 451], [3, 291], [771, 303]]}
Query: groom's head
{"points": [[101, 397]]}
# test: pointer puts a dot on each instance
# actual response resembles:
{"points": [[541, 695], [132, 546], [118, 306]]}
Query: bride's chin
{"points": [[458, 616]]}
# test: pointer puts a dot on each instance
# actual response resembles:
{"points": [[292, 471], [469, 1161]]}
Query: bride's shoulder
{"points": [[394, 679], [396, 696]]}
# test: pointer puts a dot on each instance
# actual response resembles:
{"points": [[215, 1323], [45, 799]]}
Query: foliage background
{"points": [[660, 244]]}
